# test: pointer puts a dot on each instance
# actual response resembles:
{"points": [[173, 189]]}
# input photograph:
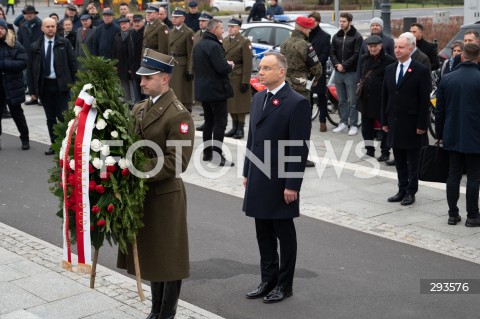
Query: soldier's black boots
{"points": [[240, 133], [164, 299], [233, 130], [157, 296]]}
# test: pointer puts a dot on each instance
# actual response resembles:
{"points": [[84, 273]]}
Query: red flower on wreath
{"points": [[100, 189], [95, 209], [101, 223], [92, 185], [111, 169], [90, 168], [125, 172], [110, 208]]}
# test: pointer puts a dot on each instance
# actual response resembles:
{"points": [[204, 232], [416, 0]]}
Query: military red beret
{"points": [[305, 22]]}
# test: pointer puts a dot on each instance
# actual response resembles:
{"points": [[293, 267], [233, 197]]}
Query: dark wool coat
{"points": [[104, 40], [64, 63], [211, 70], [88, 41], [457, 113], [163, 241], [405, 107], [13, 60], [286, 118], [369, 103]]}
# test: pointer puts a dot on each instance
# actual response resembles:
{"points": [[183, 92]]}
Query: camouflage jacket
{"points": [[303, 63]]}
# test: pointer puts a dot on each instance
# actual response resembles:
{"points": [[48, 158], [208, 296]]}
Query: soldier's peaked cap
{"points": [[205, 16], [179, 12], [235, 21], [152, 8], [154, 62]]}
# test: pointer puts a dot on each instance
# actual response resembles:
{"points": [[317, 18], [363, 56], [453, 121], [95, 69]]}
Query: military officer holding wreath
{"points": [[163, 241], [180, 45], [155, 36], [239, 50]]}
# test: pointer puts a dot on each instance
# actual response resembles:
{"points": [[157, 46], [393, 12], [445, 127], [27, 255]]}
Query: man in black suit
{"points": [[53, 66], [426, 47], [278, 114], [405, 104]]}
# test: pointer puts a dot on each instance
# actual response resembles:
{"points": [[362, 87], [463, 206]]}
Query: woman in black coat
{"points": [[371, 70]]}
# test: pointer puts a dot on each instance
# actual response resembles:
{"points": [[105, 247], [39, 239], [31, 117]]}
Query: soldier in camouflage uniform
{"points": [[304, 68]]}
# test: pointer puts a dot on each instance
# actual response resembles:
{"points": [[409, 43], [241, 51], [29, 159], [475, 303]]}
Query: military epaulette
{"points": [[179, 105]]}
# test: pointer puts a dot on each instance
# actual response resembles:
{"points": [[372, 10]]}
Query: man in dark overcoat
{"points": [[85, 35], [135, 52], [457, 115], [405, 105], [213, 88], [53, 64], [239, 50], [163, 241], [278, 115]]}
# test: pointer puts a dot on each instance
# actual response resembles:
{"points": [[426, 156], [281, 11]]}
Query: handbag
{"points": [[359, 88], [433, 164]]}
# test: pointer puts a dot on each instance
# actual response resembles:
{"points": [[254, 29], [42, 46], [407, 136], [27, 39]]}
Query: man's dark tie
{"points": [[400, 75], [48, 58], [267, 98]]}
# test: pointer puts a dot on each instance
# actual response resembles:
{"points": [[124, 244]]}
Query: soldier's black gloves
{"points": [[244, 87], [189, 76]]}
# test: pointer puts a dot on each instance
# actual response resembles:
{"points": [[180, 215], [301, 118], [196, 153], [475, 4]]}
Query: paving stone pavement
{"points": [[34, 286], [343, 189]]}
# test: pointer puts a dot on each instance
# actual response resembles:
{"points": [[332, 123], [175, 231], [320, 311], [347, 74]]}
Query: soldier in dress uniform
{"points": [[163, 241], [205, 16], [304, 67], [156, 32], [239, 50], [180, 46]]}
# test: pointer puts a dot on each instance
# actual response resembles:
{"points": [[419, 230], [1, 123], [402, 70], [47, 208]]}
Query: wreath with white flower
{"points": [[115, 195]]}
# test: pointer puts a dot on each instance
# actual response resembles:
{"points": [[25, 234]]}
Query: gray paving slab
{"points": [[51, 286], [403, 217], [7, 257], [20, 314], [13, 298], [74, 307], [8, 273]]}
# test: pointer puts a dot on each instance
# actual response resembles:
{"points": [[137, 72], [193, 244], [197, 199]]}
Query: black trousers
{"points": [[406, 163], [459, 161], [17, 114], [216, 119], [165, 297], [321, 90], [268, 232], [54, 104], [369, 132]]}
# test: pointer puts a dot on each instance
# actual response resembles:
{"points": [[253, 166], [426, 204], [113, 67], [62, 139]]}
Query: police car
{"points": [[268, 35]]}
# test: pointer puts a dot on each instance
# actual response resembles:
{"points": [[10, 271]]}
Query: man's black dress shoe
{"points": [[473, 222], [225, 162], [390, 162], [200, 128], [383, 158], [6, 114], [398, 197], [454, 220], [310, 164], [207, 157], [25, 145], [278, 294], [261, 291], [409, 199], [50, 151], [153, 316]]}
